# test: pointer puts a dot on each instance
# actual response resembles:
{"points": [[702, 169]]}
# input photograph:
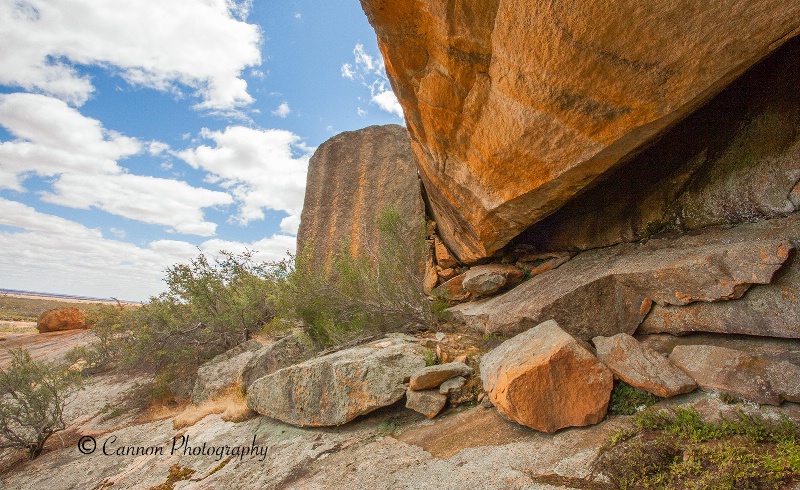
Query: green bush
{"points": [[33, 395], [361, 294], [627, 400], [209, 306]]}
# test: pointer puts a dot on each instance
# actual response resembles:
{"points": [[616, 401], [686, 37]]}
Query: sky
{"points": [[136, 135]]}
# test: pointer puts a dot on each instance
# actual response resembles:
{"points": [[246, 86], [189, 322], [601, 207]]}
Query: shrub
{"points": [[33, 395], [627, 400], [370, 293], [209, 306]]}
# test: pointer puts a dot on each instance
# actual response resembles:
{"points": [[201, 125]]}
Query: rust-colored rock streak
{"points": [[352, 178], [515, 106]]}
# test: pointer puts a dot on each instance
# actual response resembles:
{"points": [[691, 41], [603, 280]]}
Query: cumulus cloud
{"points": [[283, 110], [52, 139], [202, 45], [261, 168], [79, 260], [370, 71]]}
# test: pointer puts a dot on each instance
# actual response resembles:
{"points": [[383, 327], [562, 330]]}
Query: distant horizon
{"points": [[64, 296]]}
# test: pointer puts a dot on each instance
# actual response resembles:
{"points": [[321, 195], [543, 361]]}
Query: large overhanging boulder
{"points": [[515, 106]]}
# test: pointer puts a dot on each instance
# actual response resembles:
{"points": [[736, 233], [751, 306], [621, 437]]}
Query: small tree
{"points": [[33, 395]]}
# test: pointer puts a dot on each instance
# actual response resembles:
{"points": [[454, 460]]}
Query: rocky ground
{"points": [[469, 446]]}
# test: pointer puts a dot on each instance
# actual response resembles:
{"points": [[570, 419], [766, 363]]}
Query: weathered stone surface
{"points": [[486, 279], [769, 310], [336, 388], [641, 366], [608, 291], [545, 379], [537, 264], [223, 372], [427, 402], [58, 319], [452, 290], [352, 178], [433, 376], [292, 349], [514, 107], [443, 256], [738, 373], [431, 275], [452, 386], [737, 159]]}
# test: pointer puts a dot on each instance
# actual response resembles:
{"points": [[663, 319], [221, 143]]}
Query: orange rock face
{"points": [[515, 106], [546, 380], [59, 319]]}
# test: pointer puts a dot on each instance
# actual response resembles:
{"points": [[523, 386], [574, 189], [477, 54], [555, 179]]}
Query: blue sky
{"points": [[133, 134]]}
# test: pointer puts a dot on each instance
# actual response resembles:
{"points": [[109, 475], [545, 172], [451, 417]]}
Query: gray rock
{"points": [[452, 386], [433, 376], [223, 372], [336, 388], [738, 373], [641, 366], [427, 402], [289, 350], [486, 279]]}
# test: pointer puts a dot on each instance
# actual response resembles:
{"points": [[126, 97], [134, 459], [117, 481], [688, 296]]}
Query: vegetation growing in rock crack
{"points": [[33, 395], [676, 448]]}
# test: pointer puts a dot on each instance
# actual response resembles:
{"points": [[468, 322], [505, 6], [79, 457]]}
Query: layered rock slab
{"points": [[352, 178], [545, 379], [514, 106], [609, 291], [642, 367], [738, 373], [433, 376], [768, 310], [336, 388]]}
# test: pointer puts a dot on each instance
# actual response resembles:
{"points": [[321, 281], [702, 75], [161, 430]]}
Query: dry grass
{"points": [[232, 405]]}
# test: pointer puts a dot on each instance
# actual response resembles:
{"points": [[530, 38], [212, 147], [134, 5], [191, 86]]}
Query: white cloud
{"points": [[298, 16], [261, 168], [370, 71], [171, 203], [387, 101], [200, 44], [283, 110], [361, 112], [54, 140], [79, 260], [156, 148]]}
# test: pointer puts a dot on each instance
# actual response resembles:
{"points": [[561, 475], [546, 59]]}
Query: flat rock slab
{"points": [[641, 366], [545, 379], [739, 373], [608, 291], [336, 388], [433, 376], [427, 402], [767, 310]]}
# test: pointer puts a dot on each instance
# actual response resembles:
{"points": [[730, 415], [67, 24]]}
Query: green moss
{"points": [[627, 400], [677, 449]]}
